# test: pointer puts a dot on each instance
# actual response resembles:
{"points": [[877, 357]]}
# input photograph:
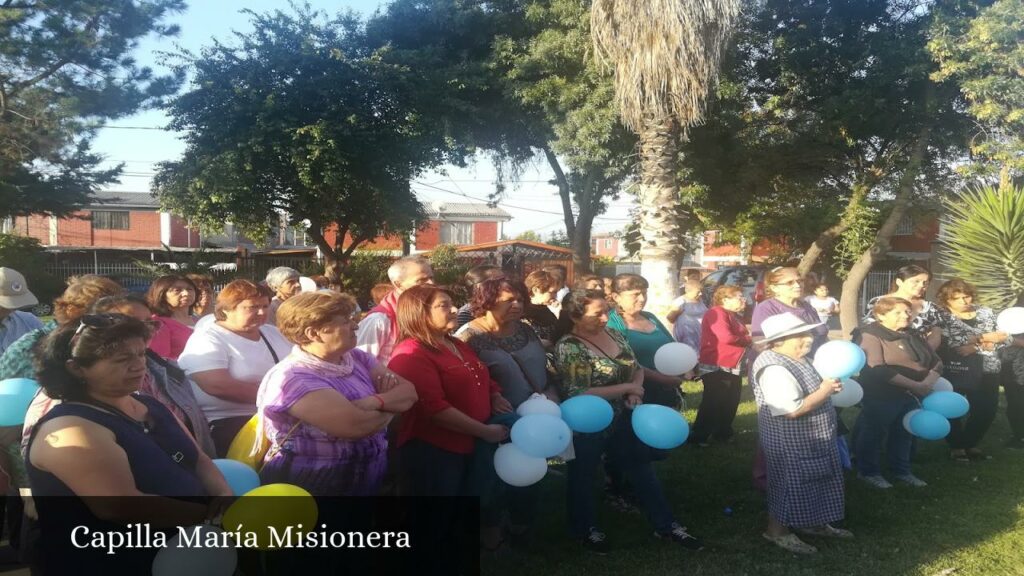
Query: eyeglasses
{"points": [[793, 282]]}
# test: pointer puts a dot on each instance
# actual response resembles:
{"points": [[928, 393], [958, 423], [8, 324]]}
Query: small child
{"points": [[826, 306], [1012, 378], [686, 315]]}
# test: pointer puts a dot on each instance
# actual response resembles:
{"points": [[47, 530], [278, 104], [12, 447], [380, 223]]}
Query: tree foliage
{"points": [[300, 117], [984, 242], [65, 68], [980, 45]]}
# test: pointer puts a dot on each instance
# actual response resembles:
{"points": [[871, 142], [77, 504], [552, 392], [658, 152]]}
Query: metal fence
{"points": [[137, 278], [878, 283]]}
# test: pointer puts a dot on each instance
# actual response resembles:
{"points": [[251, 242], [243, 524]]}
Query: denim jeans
{"points": [[632, 458], [881, 418]]}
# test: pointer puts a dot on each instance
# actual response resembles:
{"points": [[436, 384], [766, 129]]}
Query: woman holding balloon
{"points": [[911, 284], [645, 334], [970, 345], [105, 440], [593, 359], [517, 361], [797, 426], [900, 368], [325, 406]]}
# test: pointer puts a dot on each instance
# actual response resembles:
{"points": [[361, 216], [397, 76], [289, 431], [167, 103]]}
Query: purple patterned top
{"points": [[311, 458]]}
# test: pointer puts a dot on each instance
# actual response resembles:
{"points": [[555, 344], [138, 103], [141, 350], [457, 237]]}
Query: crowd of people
{"points": [[139, 394]]}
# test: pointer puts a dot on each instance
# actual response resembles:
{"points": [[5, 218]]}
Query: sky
{"points": [[140, 141]]}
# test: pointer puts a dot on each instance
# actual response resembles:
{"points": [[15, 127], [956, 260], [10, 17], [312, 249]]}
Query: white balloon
{"points": [[907, 417], [1011, 321], [539, 404], [850, 395], [517, 468], [177, 558], [942, 385], [675, 359]]}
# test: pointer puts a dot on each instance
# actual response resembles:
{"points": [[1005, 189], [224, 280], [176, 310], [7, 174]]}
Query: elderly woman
{"points": [[970, 355], [325, 406], [164, 380], [105, 440], [284, 283], [785, 290], [171, 298], [724, 342], [797, 425], [594, 359], [911, 284], [516, 360], [228, 360], [901, 367], [645, 334]]}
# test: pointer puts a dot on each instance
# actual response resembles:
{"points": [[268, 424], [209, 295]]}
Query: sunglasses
{"points": [[100, 322]]}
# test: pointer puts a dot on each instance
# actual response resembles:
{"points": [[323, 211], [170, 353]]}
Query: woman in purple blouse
{"points": [[785, 286], [325, 407]]}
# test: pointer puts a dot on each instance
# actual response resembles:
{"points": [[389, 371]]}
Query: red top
{"points": [[723, 338], [442, 381], [169, 339]]}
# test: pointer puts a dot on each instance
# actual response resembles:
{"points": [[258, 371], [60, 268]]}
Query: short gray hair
{"points": [[278, 276], [398, 271]]}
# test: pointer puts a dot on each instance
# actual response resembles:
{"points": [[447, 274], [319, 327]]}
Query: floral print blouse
{"points": [[957, 332], [582, 368]]}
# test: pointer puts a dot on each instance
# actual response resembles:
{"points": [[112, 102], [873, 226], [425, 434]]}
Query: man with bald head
{"points": [[378, 332]]}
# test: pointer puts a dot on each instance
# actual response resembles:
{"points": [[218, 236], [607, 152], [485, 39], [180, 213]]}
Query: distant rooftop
{"points": [[107, 199], [441, 210]]}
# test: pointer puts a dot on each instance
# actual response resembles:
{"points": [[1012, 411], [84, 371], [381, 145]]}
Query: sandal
{"points": [[791, 543], [827, 531], [959, 455]]}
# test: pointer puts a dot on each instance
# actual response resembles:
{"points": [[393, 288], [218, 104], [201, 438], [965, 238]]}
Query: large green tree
{"points": [[66, 66], [980, 45], [301, 118]]}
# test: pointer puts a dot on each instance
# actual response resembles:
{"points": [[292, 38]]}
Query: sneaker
{"points": [[596, 542], [959, 455], [679, 535], [877, 481], [911, 480]]}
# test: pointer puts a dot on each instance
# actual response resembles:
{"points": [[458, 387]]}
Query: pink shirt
{"points": [[169, 340]]}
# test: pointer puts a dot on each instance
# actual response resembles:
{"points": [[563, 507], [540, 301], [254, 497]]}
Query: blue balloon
{"points": [[929, 425], [15, 396], [587, 413], [240, 477], [949, 404], [659, 426], [541, 435], [839, 359]]}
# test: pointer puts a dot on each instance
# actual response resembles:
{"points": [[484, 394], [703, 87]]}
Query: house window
{"points": [[607, 242], [460, 233], [110, 220], [905, 227]]}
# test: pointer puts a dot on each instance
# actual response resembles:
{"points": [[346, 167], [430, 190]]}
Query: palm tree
{"points": [[983, 242], [665, 54]]}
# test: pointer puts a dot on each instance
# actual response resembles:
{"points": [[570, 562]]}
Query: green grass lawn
{"points": [[968, 521]]}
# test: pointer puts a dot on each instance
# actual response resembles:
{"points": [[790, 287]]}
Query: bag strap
{"points": [[277, 445], [269, 347]]}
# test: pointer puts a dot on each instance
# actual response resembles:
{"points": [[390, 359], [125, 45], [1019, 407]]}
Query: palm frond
{"points": [[665, 53], [984, 242]]}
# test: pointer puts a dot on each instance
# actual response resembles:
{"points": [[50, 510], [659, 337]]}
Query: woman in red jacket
{"points": [[723, 341]]}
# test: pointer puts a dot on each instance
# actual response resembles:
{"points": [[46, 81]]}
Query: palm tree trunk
{"points": [[659, 203]]}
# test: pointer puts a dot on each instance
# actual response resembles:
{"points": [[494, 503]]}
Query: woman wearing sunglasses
{"points": [[106, 441], [786, 290]]}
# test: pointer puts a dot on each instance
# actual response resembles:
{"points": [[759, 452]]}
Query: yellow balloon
{"points": [[241, 446], [270, 519]]}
